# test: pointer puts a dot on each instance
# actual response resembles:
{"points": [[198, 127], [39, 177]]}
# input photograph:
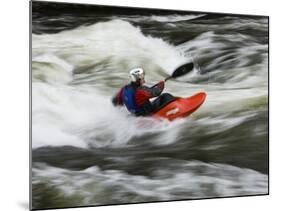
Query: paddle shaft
{"points": [[168, 78]]}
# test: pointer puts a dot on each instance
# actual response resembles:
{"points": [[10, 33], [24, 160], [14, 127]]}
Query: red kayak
{"points": [[181, 107]]}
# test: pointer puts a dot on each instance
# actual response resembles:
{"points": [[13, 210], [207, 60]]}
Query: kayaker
{"points": [[135, 96]]}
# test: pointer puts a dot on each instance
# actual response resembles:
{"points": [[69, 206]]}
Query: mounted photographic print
{"points": [[134, 105]]}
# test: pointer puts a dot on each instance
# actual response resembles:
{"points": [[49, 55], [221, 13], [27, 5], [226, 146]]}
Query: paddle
{"points": [[180, 71]]}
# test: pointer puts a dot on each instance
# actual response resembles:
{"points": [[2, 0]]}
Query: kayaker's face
{"points": [[142, 81]]}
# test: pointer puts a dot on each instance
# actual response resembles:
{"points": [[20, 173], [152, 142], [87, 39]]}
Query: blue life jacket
{"points": [[128, 96]]}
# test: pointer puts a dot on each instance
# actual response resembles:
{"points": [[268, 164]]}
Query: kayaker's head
{"points": [[137, 76]]}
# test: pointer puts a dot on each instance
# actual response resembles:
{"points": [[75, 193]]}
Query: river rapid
{"points": [[87, 152]]}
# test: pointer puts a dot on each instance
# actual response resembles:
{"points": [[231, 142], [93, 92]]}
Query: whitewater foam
{"points": [[98, 57], [118, 42], [209, 180]]}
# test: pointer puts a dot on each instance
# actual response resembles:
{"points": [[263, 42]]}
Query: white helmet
{"points": [[136, 74]]}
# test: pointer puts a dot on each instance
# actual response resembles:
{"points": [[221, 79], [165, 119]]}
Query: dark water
{"points": [[86, 152]]}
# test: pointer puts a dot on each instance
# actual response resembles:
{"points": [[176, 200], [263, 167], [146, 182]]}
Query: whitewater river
{"points": [[87, 152]]}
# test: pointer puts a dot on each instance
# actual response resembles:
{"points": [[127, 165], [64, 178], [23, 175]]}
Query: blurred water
{"points": [[86, 152]]}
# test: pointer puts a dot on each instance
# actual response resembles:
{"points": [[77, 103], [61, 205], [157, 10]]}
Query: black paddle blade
{"points": [[180, 71]]}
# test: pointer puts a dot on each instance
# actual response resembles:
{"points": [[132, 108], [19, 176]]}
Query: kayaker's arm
{"points": [[150, 92], [117, 99], [157, 89], [144, 93]]}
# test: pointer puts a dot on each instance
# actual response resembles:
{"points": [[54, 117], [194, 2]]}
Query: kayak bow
{"points": [[181, 107]]}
